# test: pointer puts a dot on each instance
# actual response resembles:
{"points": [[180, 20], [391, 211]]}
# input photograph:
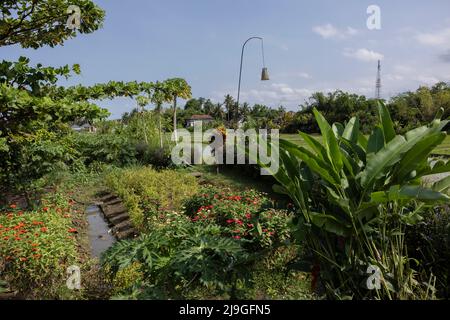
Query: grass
{"points": [[443, 149]]}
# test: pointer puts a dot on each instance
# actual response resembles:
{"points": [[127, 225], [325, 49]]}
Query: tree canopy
{"points": [[37, 23]]}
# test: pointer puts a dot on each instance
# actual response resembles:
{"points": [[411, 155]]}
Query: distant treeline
{"points": [[408, 110]]}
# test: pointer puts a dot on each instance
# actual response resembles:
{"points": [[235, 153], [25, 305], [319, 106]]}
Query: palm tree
{"points": [[142, 102], [176, 88], [229, 106], [158, 99]]}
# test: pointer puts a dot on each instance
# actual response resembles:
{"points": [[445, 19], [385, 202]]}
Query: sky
{"points": [[316, 45]]}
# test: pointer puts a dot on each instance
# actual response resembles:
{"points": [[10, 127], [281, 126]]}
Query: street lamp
{"points": [[264, 73]]}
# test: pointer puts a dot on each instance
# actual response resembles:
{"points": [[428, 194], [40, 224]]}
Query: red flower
{"points": [[250, 225], [44, 229], [13, 206], [45, 209], [237, 237], [239, 222], [230, 221], [73, 230], [248, 216]]}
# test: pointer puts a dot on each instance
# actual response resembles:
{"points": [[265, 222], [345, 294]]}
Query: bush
{"points": [[146, 192], [30, 157], [429, 243], [247, 215], [108, 148], [37, 247]]}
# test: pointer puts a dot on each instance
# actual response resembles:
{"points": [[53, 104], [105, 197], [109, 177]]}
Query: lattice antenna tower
{"points": [[378, 84]]}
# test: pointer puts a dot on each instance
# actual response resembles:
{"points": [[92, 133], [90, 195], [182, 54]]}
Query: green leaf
{"points": [[328, 223], [351, 131], [386, 122], [417, 155], [376, 141], [419, 193], [442, 185], [330, 141]]}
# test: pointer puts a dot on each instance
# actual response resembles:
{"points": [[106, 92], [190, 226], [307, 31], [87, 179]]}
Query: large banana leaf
{"points": [[351, 131], [419, 193], [330, 141], [379, 163], [376, 141], [417, 155], [386, 122]]}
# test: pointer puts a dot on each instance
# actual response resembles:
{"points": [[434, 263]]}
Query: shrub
{"points": [[111, 148], [429, 243], [146, 191], [37, 247], [30, 157]]}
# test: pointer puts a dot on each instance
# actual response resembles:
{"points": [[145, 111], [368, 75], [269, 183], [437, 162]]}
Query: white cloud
{"points": [[363, 55], [304, 75], [328, 31], [439, 38]]}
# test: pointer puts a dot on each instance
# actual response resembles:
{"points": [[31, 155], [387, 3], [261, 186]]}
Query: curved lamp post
{"points": [[264, 73]]}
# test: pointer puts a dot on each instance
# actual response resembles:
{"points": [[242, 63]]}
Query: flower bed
{"points": [[247, 215], [37, 246]]}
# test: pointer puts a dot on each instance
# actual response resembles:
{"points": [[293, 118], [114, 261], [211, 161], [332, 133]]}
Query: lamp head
{"points": [[264, 74]]}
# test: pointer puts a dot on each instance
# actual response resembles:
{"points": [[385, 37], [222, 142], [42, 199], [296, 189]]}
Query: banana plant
{"points": [[344, 186]]}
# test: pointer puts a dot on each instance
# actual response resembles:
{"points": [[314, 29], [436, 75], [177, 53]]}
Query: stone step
{"points": [[107, 198], [119, 218], [129, 233], [124, 225], [111, 211], [113, 202]]}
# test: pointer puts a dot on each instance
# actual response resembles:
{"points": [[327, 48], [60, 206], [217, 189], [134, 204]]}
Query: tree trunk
{"points": [[160, 128], [175, 117]]}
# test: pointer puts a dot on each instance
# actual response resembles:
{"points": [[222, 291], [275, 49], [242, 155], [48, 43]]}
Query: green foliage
{"points": [[429, 243], [178, 256], [146, 192], [248, 216], [32, 156], [34, 24], [37, 246], [355, 201], [110, 148], [32, 103]]}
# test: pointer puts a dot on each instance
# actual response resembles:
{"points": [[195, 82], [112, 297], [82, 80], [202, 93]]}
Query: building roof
{"points": [[200, 117]]}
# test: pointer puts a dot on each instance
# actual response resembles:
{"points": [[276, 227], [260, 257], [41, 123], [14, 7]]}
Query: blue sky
{"points": [[309, 46]]}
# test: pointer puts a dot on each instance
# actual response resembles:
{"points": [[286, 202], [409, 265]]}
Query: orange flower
{"points": [[13, 206], [73, 230], [44, 229], [35, 244], [45, 209], [23, 259]]}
